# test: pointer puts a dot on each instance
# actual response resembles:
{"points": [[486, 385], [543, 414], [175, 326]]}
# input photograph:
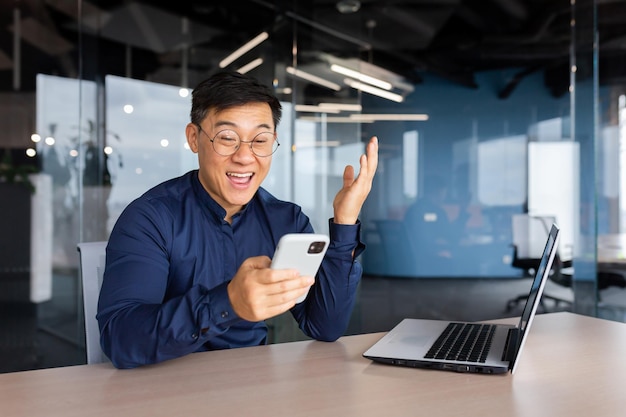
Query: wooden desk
{"points": [[333, 379]]}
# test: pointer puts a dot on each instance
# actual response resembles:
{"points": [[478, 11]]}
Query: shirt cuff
{"points": [[220, 311], [347, 237]]}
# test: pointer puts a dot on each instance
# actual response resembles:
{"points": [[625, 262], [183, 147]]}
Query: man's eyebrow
{"points": [[226, 123], [221, 123]]}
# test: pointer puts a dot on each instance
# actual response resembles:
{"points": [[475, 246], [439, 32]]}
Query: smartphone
{"points": [[301, 251]]}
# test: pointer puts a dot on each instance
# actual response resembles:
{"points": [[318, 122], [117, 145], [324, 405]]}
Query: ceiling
{"points": [[452, 39]]}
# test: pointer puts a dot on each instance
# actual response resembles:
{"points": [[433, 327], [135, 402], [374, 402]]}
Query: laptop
{"points": [[465, 346]]}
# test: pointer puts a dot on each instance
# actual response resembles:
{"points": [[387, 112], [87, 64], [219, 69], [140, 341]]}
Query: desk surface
{"points": [[572, 365]]}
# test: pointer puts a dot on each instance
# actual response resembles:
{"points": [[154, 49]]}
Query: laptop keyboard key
{"points": [[465, 342]]}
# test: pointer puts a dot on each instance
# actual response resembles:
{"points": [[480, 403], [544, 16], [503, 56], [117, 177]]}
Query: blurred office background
{"points": [[495, 119]]}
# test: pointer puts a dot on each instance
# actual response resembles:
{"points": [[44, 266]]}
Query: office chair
{"points": [[529, 237], [92, 257], [610, 276]]}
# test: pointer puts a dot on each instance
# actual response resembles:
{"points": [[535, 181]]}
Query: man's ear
{"points": [[192, 132]]}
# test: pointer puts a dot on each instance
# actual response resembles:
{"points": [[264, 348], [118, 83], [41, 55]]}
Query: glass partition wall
{"points": [[472, 170], [601, 59]]}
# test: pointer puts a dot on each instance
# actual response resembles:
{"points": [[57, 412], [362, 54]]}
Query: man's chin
{"points": [[242, 198]]}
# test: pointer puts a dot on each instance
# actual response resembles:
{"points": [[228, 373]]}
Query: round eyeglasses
{"points": [[227, 142]]}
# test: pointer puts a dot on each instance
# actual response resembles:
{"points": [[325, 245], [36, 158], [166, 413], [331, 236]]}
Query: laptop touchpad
{"points": [[411, 339]]}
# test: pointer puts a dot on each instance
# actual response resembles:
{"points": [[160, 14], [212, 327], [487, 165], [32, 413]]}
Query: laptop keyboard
{"points": [[466, 342]]}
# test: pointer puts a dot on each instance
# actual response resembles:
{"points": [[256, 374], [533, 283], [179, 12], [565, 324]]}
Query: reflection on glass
{"points": [[152, 137]]}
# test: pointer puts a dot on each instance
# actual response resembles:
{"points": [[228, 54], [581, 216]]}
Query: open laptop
{"points": [[431, 344]]}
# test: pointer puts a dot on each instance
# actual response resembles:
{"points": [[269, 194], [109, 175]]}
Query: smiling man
{"points": [[188, 262]]}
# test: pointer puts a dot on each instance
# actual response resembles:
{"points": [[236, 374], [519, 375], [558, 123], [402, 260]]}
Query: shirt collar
{"points": [[207, 201]]}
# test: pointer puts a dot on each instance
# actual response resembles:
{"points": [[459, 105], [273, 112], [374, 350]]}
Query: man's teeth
{"points": [[238, 175]]}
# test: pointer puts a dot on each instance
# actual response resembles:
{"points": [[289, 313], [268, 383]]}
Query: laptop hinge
{"points": [[510, 348]]}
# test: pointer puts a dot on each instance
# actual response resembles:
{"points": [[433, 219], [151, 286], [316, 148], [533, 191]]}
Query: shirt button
{"points": [[194, 336], [224, 314]]}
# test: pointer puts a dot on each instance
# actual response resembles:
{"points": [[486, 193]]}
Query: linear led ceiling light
{"points": [[361, 77], [250, 66], [375, 91], [317, 144], [384, 117], [314, 109], [245, 48], [313, 78], [332, 119], [341, 106]]}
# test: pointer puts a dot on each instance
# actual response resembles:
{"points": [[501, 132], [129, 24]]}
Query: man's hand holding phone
{"points": [[258, 293], [264, 288]]}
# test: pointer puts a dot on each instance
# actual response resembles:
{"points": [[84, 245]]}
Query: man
{"points": [[188, 263]]}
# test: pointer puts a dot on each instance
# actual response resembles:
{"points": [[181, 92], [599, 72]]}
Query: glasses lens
{"points": [[226, 142], [264, 144]]}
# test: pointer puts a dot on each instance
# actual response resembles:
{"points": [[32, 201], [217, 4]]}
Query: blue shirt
{"points": [[171, 255]]}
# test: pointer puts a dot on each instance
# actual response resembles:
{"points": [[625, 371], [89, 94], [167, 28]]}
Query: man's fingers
{"points": [[257, 262], [283, 286], [348, 176], [281, 295], [260, 293], [369, 162]]}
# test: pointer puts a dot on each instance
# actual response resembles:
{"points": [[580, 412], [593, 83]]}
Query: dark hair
{"points": [[230, 89]]}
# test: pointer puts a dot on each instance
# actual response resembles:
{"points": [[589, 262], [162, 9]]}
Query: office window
{"points": [[553, 184], [410, 156], [502, 171], [145, 125]]}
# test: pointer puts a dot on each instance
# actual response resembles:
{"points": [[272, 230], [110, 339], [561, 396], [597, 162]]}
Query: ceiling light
{"points": [[250, 66], [366, 118], [332, 119], [245, 48], [313, 78], [383, 117], [361, 77], [368, 69], [375, 91], [314, 109], [318, 144], [348, 6], [341, 106]]}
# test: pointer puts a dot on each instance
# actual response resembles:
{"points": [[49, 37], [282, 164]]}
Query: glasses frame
{"points": [[236, 148]]}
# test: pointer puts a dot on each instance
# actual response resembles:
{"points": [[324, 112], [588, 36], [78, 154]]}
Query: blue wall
{"points": [[456, 113]]}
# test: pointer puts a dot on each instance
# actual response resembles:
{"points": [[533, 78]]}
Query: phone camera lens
{"points": [[316, 247]]}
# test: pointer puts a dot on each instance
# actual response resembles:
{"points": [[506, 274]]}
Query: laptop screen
{"points": [[536, 290]]}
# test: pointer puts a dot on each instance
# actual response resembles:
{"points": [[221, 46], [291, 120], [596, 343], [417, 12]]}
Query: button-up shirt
{"points": [[169, 260]]}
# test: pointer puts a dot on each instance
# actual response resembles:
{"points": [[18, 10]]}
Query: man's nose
{"points": [[244, 150]]}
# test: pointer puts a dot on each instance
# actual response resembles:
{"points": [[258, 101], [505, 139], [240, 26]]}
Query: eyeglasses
{"points": [[227, 142]]}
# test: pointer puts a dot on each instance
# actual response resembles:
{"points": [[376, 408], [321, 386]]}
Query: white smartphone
{"points": [[301, 251]]}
